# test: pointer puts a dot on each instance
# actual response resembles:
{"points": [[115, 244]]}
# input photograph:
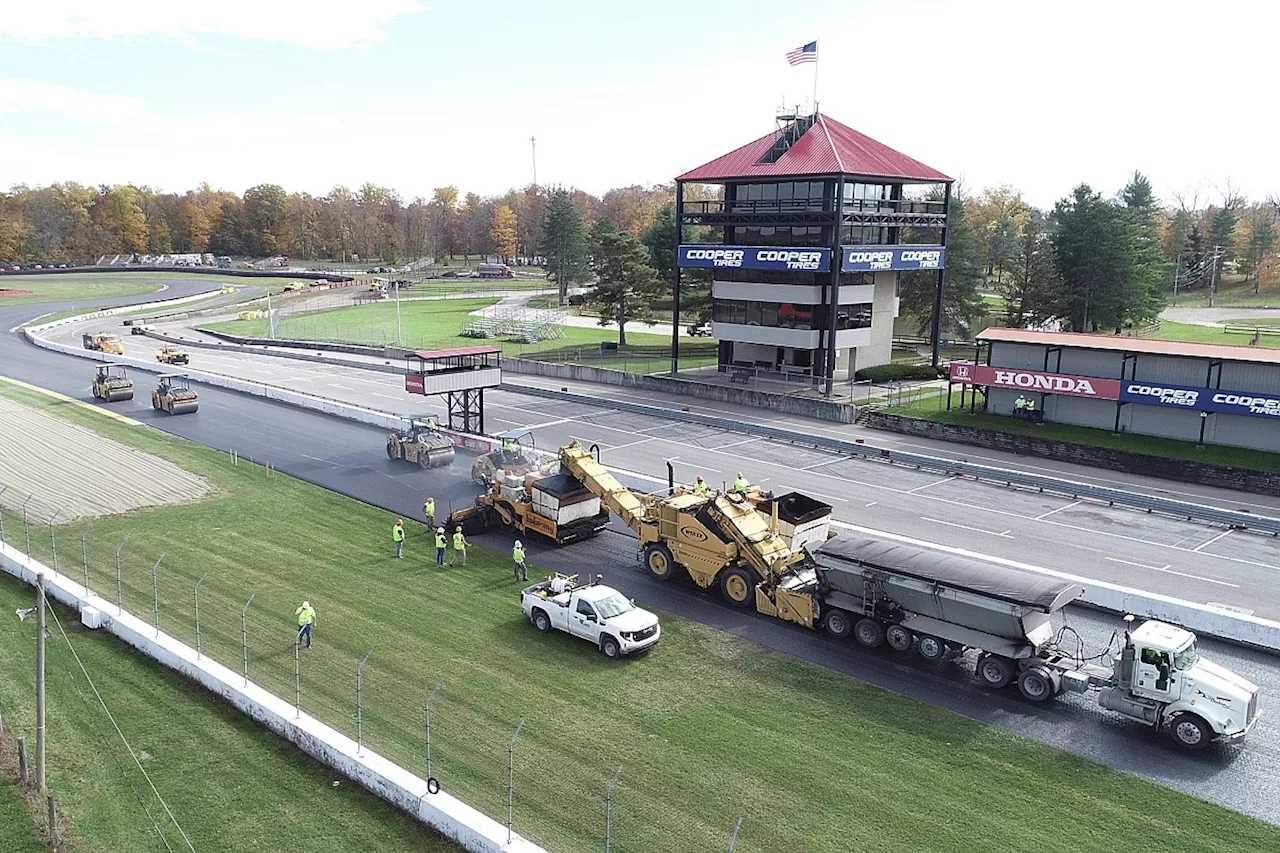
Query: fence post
{"points": [[119, 605], [511, 766], [84, 557], [155, 594], [359, 706], [23, 772], [53, 817], [26, 529], [734, 840], [427, 708], [197, 597], [54, 539], [244, 637], [608, 804]]}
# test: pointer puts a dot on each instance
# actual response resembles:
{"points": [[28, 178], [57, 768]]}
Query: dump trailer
{"points": [[557, 506], [175, 395], [887, 593], [423, 443], [722, 540], [103, 342], [111, 383]]}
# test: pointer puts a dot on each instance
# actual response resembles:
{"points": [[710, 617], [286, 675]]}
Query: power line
{"points": [[123, 739]]}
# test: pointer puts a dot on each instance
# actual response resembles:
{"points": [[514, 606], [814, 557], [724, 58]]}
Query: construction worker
{"points": [[699, 486], [1020, 407], [440, 545], [517, 554], [460, 544], [429, 510], [306, 616], [1031, 409], [397, 536], [740, 483]]}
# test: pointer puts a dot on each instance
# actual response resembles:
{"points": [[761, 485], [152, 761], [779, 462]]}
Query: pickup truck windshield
{"points": [[614, 605]]}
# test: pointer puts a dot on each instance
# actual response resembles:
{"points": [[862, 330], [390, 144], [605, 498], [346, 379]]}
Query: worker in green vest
{"points": [[460, 544], [397, 536], [740, 484], [440, 546], [1031, 409], [429, 510], [517, 554], [699, 486], [306, 615], [1020, 407]]}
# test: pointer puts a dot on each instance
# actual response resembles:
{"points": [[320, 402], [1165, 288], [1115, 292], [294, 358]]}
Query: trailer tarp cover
{"points": [[1013, 585]]}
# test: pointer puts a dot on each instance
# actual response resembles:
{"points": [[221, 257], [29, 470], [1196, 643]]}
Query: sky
{"points": [[310, 94]]}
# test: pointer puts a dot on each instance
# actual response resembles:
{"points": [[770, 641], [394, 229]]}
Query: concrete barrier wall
{"points": [[826, 410], [354, 349], [1186, 471], [276, 353], [451, 817], [1201, 618]]}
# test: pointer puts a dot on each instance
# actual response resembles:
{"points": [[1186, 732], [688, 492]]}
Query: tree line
{"points": [[69, 221]]}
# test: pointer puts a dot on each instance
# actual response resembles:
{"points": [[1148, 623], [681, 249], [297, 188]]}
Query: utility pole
{"points": [[533, 146], [1176, 265], [40, 604]]}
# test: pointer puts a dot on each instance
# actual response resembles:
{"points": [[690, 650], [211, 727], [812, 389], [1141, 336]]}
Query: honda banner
{"points": [[1034, 381], [413, 383], [1201, 399]]}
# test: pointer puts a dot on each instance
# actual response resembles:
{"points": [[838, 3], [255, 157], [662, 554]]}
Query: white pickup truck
{"points": [[593, 612]]}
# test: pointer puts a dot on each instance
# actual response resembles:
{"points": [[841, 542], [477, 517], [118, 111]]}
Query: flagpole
{"points": [[815, 78]]}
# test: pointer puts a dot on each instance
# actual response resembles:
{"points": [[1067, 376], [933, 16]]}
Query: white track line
{"points": [[1005, 534]]}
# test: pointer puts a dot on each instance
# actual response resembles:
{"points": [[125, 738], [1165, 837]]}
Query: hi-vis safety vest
{"points": [[699, 488], [459, 542], [439, 540], [306, 615], [429, 507], [740, 485], [517, 554], [397, 533]]}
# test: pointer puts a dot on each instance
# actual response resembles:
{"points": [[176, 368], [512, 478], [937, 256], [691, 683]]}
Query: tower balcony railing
{"points": [[852, 207]]}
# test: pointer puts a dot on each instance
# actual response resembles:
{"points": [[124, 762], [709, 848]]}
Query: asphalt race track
{"points": [[350, 458]]}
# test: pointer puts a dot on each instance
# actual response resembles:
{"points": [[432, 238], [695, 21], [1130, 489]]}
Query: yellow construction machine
{"points": [[752, 546], [516, 455], [557, 506], [103, 342], [111, 383], [175, 395], [169, 354], [423, 443]]}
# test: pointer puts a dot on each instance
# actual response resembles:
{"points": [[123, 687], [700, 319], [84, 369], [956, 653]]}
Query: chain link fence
{"points": [[544, 784]]}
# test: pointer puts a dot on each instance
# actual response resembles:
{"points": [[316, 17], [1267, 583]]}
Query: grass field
{"points": [[68, 288], [424, 324], [709, 727], [1236, 457], [18, 832], [1209, 335]]}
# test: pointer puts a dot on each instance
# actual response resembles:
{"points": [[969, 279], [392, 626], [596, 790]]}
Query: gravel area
{"points": [[77, 473]]}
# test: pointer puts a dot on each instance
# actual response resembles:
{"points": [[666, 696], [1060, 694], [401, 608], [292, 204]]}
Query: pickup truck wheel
{"points": [[931, 648], [995, 671], [838, 623], [738, 587], [899, 638], [1035, 684], [541, 621], [659, 562], [869, 633], [1190, 732], [610, 647]]}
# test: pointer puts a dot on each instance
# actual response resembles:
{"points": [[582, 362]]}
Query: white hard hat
{"points": [[306, 604], [518, 545], [439, 530]]}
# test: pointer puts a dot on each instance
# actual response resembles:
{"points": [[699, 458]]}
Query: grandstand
{"points": [[517, 324]]}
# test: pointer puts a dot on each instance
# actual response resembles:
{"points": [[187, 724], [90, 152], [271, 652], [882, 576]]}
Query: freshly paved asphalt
{"points": [[349, 458]]}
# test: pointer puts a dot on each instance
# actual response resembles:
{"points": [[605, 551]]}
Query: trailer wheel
{"points": [[931, 648], [541, 621], [737, 586], [899, 638], [1035, 684], [659, 562], [837, 623], [609, 645], [869, 633], [1190, 732], [995, 671]]}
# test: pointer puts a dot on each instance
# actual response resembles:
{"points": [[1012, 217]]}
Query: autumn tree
{"points": [[122, 218], [263, 219], [502, 232], [626, 285], [1028, 292], [564, 243], [442, 218], [192, 228], [633, 208], [1256, 241]]}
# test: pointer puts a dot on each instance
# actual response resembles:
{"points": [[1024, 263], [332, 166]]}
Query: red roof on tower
{"points": [[826, 148]]}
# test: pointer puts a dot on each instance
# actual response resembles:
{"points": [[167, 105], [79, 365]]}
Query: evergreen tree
{"points": [[564, 243], [626, 284], [1028, 292], [1221, 227], [962, 303], [660, 239], [1150, 269]]}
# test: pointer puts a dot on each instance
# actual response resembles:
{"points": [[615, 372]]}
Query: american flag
{"points": [[808, 53]]}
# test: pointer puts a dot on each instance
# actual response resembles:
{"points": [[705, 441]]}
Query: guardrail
{"points": [[1020, 479]]}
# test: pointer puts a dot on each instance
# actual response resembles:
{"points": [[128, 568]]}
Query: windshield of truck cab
{"points": [[614, 605], [1186, 659]]}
